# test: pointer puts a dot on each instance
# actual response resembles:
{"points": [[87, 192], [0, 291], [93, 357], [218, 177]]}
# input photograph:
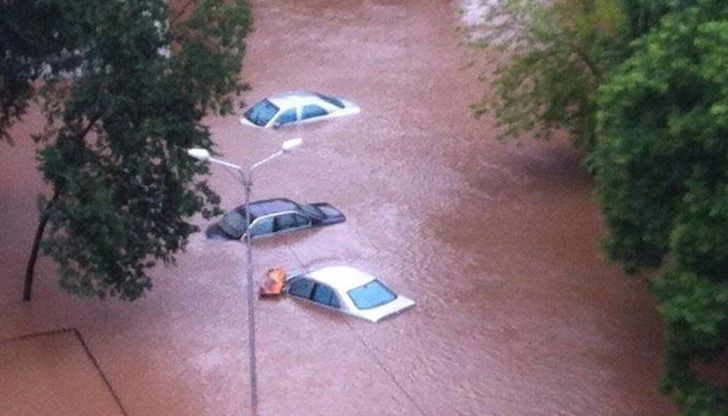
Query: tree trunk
{"points": [[30, 268]]}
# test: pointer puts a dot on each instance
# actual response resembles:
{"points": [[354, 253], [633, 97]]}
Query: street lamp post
{"points": [[246, 177]]}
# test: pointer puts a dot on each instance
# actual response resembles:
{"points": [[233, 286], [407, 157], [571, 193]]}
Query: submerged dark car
{"points": [[278, 216]]}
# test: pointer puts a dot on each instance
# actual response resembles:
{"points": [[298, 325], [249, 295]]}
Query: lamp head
{"points": [[198, 153], [290, 145]]}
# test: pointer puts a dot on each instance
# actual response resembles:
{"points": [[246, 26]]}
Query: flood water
{"points": [[517, 312]]}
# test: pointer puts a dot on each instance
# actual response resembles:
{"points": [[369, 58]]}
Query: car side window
{"points": [[285, 221], [325, 295], [301, 221], [261, 226], [311, 111], [301, 288], [291, 220], [286, 117]]}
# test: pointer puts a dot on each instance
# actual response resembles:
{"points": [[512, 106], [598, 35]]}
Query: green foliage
{"points": [[554, 56], [33, 40], [662, 128], [662, 177], [115, 150], [210, 51], [643, 15]]}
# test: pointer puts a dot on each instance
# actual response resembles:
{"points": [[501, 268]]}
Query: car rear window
{"points": [[233, 224], [261, 113], [312, 211], [332, 100], [371, 295]]}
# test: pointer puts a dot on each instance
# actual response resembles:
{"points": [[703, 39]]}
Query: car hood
{"points": [[349, 107], [391, 308]]}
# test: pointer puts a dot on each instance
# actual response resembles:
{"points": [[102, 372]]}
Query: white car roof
{"points": [[290, 99], [343, 278]]}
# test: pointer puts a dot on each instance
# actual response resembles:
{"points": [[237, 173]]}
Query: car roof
{"points": [[270, 206], [343, 278], [288, 99]]}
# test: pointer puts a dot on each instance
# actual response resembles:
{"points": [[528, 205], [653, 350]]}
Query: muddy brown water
{"points": [[517, 313]]}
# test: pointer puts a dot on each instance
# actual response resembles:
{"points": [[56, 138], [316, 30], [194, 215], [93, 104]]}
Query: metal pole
{"points": [[247, 185], [247, 178]]}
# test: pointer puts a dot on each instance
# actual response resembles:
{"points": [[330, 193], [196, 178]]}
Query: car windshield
{"points": [[371, 295], [261, 113], [312, 211], [332, 100]]}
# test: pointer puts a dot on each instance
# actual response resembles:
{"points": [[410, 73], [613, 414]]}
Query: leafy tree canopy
{"points": [[33, 40], [662, 176], [549, 58], [553, 56], [120, 117]]}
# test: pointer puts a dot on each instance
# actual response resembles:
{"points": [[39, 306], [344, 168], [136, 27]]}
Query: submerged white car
{"points": [[297, 107], [347, 290]]}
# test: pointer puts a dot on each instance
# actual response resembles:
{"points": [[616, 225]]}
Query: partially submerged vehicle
{"points": [[347, 290], [297, 107], [278, 216]]}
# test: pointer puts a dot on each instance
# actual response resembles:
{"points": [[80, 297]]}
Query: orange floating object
{"points": [[273, 284]]}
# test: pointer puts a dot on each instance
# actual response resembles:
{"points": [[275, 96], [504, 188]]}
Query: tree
{"points": [[643, 15], [119, 123], [32, 39], [552, 57], [662, 176], [549, 58]]}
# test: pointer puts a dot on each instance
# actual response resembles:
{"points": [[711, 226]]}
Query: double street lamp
{"points": [[246, 178]]}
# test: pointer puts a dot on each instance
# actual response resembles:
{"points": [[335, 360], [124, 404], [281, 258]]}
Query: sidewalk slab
{"points": [[53, 374]]}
